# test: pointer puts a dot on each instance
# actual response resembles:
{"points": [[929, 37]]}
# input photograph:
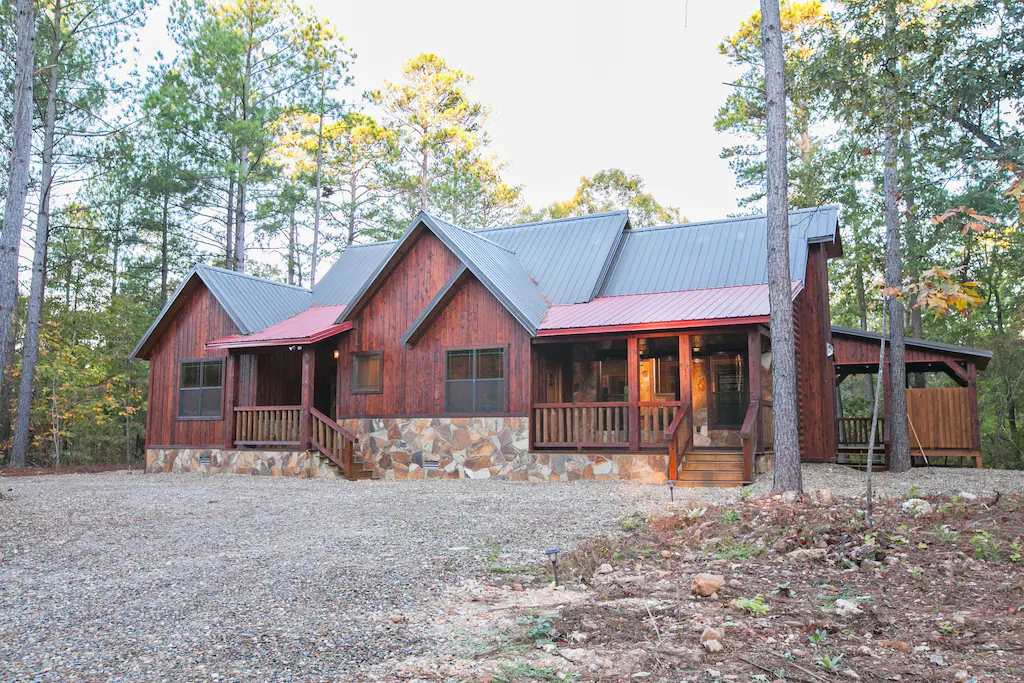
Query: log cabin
{"points": [[578, 348]]}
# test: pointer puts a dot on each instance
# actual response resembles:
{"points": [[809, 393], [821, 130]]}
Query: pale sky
{"points": [[575, 87]]}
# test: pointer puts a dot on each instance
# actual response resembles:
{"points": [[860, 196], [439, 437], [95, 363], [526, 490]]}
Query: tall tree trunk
{"points": [[30, 347], [319, 183], [230, 225], [899, 439], [7, 382], [291, 247], [115, 258], [164, 257], [17, 180], [353, 186], [862, 296], [780, 293], [424, 176], [239, 255]]}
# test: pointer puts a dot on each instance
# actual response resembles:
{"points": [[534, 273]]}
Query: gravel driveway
{"points": [[181, 577], [218, 577]]}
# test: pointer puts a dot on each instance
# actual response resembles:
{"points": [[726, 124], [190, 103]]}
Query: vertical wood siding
{"points": [[199, 320], [414, 377], [816, 378]]}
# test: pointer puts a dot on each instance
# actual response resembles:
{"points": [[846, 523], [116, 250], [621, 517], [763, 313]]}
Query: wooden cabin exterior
{"points": [[570, 349]]}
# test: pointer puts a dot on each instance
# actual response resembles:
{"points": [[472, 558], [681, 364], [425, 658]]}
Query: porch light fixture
{"points": [[337, 354], [552, 554]]}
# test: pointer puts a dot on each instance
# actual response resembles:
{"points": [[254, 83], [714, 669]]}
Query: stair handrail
{"points": [[347, 461], [748, 437], [673, 445]]}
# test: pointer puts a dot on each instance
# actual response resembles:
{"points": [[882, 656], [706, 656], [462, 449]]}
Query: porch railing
{"points": [[655, 419], [679, 434], [268, 425], [334, 441], [749, 437], [767, 430], [856, 431], [580, 425]]}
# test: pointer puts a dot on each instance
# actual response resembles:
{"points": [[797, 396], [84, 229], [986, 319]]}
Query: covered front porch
{"points": [[281, 390], [701, 396]]}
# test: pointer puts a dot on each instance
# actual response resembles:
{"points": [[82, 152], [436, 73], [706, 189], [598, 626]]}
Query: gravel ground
{"points": [[191, 577], [180, 577]]}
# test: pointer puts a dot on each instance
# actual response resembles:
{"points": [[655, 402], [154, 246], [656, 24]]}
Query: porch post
{"points": [[633, 378], [231, 397], [972, 399], [754, 362], [685, 368], [308, 359], [885, 412]]}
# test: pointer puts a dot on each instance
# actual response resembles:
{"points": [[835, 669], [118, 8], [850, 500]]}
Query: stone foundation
{"points": [[764, 463], [301, 464], [432, 448], [483, 448]]}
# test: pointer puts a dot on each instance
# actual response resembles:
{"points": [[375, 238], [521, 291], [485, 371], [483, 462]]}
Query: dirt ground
{"points": [[932, 591], [43, 471]]}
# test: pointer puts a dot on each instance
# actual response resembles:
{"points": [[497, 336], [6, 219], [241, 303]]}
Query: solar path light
{"points": [[552, 554]]}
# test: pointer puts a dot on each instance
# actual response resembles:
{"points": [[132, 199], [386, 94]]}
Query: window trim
{"points": [[380, 372], [745, 394], [178, 388], [444, 378]]}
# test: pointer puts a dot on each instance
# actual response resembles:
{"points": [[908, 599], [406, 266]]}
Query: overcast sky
{"points": [[575, 86]]}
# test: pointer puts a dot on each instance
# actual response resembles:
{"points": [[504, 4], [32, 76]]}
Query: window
{"points": [[475, 381], [368, 372], [200, 389], [728, 390]]}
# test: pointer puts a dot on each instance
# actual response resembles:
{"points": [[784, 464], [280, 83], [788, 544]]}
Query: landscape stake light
{"points": [[552, 554], [671, 490]]}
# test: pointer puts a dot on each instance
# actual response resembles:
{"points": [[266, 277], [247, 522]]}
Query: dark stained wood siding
{"points": [[414, 376], [816, 381], [859, 351], [198, 320]]}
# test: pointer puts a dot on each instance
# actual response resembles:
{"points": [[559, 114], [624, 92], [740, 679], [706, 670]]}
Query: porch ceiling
{"points": [[690, 308], [310, 326]]}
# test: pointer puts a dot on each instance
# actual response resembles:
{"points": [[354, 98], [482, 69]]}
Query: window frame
{"points": [[379, 389], [199, 389], [504, 378], [744, 394]]}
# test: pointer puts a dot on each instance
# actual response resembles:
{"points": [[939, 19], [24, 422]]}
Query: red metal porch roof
{"points": [[690, 308], [312, 325]]}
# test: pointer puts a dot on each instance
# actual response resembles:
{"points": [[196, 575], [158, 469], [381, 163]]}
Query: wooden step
{"points": [[716, 466], [698, 478], [713, 457]]}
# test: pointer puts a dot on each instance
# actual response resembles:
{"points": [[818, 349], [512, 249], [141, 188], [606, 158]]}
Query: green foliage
{"points": [[730, 517], [632, 522], [755, 605], [611, 190], [731, 549], [818, 637], [538, 628], [829, 663], [986, 547]]}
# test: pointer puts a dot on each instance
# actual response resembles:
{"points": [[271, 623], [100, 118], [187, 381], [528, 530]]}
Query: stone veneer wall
{"points": [[485, 447], [301, 464]]}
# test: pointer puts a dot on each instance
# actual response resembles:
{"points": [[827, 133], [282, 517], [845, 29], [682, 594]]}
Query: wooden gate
{"points": [[941, 418]]}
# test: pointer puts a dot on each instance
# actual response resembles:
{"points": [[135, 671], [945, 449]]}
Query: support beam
{"points": [[685, 370], [972, 399], [754, 363], [958, 373], [231, 397], [633, 379], [308, 363]]}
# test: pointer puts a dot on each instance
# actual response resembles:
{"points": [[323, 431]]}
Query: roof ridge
{"points": [[469, 232], [553, 220], [226, 271], [672, 291], [733, 219], [370, 244]]}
